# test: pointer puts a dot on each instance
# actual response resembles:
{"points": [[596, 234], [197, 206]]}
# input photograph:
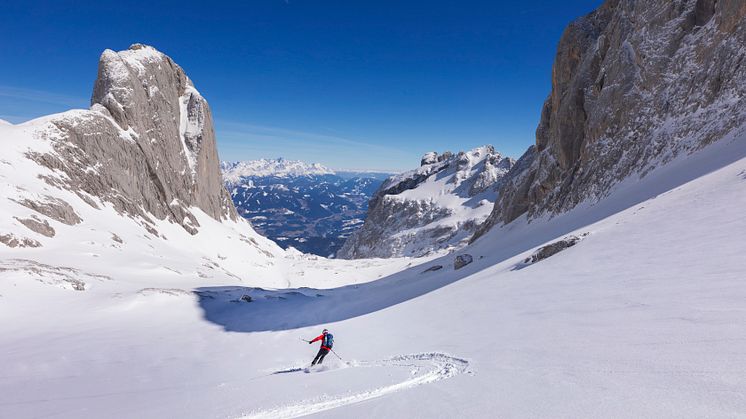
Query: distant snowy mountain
{"points": [[437, 206], [233, 172], [306, 206]]}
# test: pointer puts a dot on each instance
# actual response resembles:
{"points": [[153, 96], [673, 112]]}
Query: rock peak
{"points": [[430, 208], [154, 134]]}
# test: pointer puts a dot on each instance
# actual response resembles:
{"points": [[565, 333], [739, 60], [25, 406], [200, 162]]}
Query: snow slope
{"points": [[642, 318]]}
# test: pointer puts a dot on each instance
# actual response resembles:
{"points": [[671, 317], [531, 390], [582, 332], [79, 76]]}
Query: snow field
{"points": [[642, 318]]}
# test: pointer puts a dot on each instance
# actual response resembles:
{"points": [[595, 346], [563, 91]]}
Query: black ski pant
{"points": [[320, 356]]}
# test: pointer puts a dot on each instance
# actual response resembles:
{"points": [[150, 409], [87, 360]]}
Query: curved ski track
{"points": [[441, 367]]}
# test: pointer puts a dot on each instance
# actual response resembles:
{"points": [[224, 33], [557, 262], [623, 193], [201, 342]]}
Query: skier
{"points": [[327, 341]]}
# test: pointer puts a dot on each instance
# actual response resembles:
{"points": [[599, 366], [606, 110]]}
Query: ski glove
{"points": [[309, 342]]}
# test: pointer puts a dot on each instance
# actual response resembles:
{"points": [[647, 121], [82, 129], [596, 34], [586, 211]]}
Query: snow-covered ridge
{"points": [[279, 167], [436, 206]]}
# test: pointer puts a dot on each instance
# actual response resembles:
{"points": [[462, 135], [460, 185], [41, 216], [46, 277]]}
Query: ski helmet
{"points": [[325, 331]]}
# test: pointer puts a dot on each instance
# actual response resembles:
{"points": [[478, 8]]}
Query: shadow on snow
{"points": [[271, 310], [301, 307]]}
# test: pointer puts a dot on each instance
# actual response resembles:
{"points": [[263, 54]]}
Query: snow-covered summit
{"points": [[436, 206], [279, 167], [137, 57]]}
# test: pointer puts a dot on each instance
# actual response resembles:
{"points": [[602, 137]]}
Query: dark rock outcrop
{"points": [[462, 260], [552, 249]]}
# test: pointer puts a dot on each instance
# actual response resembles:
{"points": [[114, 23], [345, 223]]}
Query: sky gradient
{"points": [[350, 84]]}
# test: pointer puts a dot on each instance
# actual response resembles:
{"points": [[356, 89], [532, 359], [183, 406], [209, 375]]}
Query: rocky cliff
{"points": [[434, 207], [634, 85], [147, 145], [129, 189]]}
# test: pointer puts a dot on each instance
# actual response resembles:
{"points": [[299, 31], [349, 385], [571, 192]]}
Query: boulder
{"points": [[462, 260], [552, 249]]}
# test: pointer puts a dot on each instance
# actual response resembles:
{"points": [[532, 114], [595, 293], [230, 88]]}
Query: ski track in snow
{"points": [[444, 367]]}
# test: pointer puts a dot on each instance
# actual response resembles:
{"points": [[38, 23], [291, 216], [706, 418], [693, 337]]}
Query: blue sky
{"points": [[350, 84]]}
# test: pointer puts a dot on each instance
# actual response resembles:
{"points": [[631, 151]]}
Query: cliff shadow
{"points": [[271, 310], [251, 309]]}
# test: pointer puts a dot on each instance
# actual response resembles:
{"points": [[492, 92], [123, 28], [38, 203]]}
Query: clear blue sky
{"points": [[351, 84]]}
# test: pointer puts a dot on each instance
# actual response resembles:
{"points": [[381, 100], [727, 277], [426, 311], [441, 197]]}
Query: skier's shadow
{"points": [[288, 371]]}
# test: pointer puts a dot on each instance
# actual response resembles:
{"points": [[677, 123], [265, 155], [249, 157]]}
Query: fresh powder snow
{"points": [[641, 318]]}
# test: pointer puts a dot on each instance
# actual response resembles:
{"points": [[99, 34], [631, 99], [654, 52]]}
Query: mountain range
{"points": [[305, 206]]}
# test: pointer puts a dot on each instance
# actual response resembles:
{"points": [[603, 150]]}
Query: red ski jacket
{"points": [[321, 338]]}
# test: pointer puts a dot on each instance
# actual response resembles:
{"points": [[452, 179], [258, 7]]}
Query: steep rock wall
{"points": [[634, 84]]}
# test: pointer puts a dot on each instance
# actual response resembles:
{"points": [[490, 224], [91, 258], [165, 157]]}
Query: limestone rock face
{"points": [[634, 84], [147, 145], [436, 206]]}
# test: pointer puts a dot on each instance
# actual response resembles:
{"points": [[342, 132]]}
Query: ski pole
{"points": [[304, 340], [340, 358]]}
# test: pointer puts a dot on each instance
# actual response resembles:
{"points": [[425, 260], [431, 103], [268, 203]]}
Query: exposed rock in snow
{"points": [[233, 172], [634, 84], [462, 260], [11, 240], [37, 225], [552, 249], [435, 206], [53, 208]]}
